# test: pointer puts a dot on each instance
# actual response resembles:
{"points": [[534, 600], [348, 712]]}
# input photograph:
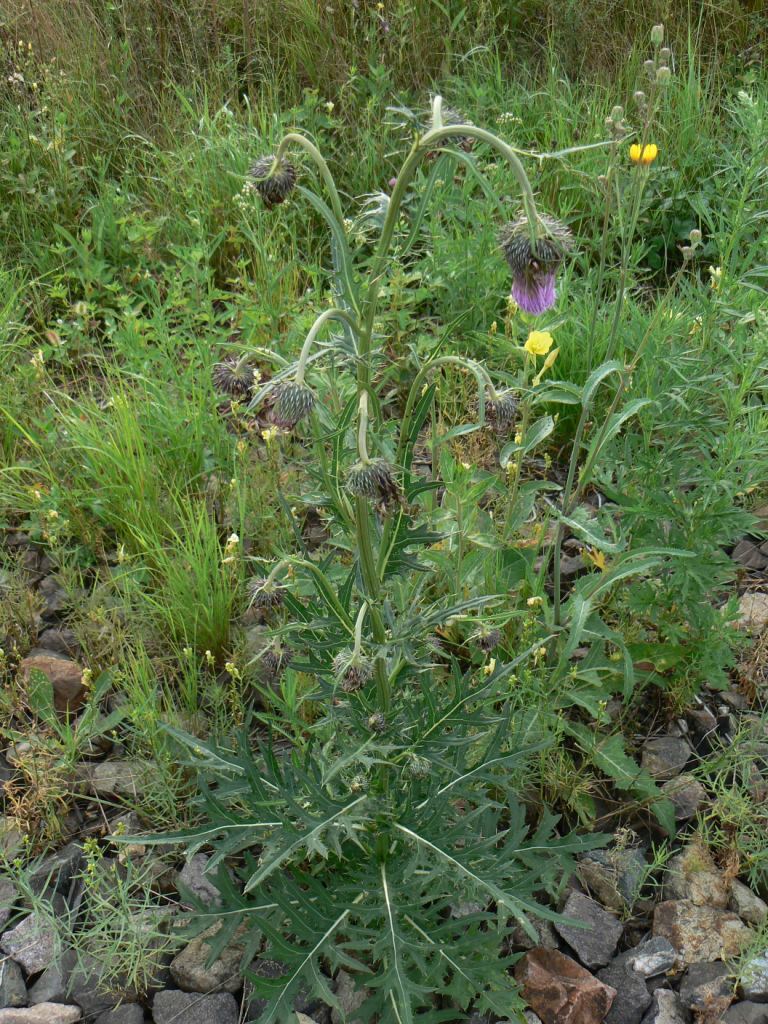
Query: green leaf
{"points": [[596, 378], [534, 435], [40, 697]]}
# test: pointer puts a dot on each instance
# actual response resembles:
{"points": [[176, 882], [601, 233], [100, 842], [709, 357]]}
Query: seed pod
{"points": [[294, 403], [274, 181]]}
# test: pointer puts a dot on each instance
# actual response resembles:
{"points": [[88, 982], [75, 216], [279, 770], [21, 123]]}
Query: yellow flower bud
{"points": [[644, 155]]}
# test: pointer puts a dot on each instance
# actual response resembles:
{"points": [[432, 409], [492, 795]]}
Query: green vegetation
{"points": [[396, 568]]}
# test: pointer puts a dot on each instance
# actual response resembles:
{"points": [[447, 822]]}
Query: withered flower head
{"points": [[273, 180]]}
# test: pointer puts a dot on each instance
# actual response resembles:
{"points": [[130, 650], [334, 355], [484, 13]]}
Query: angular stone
{"points": [[632, 997], [560, 991], [749, 554], [13, 991], [707, 987], [32, 943], [56, 872], [351, 997], [664, 757], [692, 875], [754, 979], [613, 876], [128, 1013], [55, 598], [666, 1009], [7, 900], [653, 957], [747, 905], [746, 1013], [51, 986], [753, 610], [596, 943], [171, 1007], [58, 640], [44, 1013], [11, 839], [687, 795], [65, 676], [520, 940], [699, 933], [193, 878], [190, 971], [115, 778]]}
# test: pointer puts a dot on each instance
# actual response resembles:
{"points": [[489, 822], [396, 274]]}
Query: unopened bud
{"points": [[687, 252], [602, 180], [639, 98], [617, 113], [663, 74], [664, 54], [650, 68], [695, 237], [657, 35]]}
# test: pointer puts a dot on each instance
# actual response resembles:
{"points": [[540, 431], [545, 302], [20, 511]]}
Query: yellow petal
{"points": [[539, 343]]}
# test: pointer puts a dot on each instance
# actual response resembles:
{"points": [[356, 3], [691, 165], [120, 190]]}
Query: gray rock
{"points": [[632, 997], [193, 878], [59, 641], [32, 943], [520, 940], [749, 907], [115, 778], [666, 1009], [664, 757], [51, 986], [7, 899], [613, 876], [351, 997], [13, 991], [11, 839], [55, 873], [707, 986], [687, 795], [595, 943], [699, 933], [754, 979], [190, 970], [746, 1013], [170, 1007], [653, 957], [692, 875], [55, 598], [128, 1013], [45, 1013]]}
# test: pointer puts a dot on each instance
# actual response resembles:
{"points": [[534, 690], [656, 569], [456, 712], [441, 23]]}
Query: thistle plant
{"points": [[398, 794]]}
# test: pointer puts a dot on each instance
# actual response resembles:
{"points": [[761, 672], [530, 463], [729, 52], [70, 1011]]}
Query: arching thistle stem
{"points": [[328, 314], [293, 138]]}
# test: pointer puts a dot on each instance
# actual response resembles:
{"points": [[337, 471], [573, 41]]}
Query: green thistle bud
{"points": [[663, 74], [650, 68], [377, 722], [695, 236], [375, 481], [418, 767], [294, 403], [265, 594], [359, 784], [352, 670], [273, 180], [500, 411], [233, 376], [657, 35], [664, 54]]}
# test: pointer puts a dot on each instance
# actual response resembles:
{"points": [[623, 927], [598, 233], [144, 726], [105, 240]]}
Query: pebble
{"points": [[666, 1009], [664, 757], [171, 1007], [32, 943], [687, 794], [64, 674], [692, 875], [193, 878], [747, 905], [746, 1013], [753, 611], [699, 933], [558, 989], [707, 987], [114, 778], [596, 943], [754, 979], [44, 1013], [632, 997], [190, 968], [613, 876], [13, 991], [56, 872], [653, 957]]}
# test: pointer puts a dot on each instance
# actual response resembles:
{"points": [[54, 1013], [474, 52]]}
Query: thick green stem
{"points": [[362, 427], [328, 314], [293, 138]]}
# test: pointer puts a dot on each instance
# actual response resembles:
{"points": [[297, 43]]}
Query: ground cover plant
{"points": [[383, 458]]}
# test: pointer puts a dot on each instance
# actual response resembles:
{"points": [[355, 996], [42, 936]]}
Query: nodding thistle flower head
{"points": [[353, 670], [264, 593], [534, 267], [294, 403], [488, 639], [449, 118], [500, 411], [374, 479], [274, 660], [273, 179], [233, 376]]}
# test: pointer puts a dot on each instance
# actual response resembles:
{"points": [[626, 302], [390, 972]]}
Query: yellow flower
{"points": [[547, 364], [716, 274], [644, 155], [489, 667], [269, 434], [539, 343]]}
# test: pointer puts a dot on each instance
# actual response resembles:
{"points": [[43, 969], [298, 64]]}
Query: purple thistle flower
{"points": [[534, 266], [534, 292]]}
